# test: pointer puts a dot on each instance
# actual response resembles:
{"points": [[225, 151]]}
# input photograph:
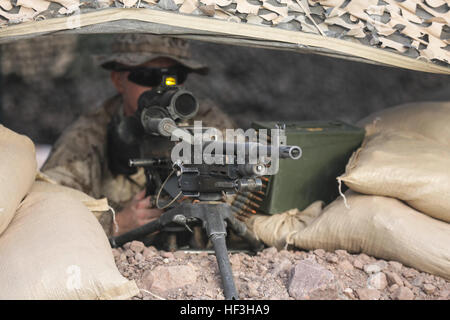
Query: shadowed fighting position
{"points": [[80, 157]]}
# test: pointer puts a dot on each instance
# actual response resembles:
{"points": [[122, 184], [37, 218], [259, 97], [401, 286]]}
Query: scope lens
{"points": [[185, 105]]}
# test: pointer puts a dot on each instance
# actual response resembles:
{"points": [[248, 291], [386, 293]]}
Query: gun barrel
{"points": [[293, 152], [147, 162], [256, 149]]}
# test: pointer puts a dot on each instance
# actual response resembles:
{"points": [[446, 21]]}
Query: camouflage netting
{"points": [[413, 34]]}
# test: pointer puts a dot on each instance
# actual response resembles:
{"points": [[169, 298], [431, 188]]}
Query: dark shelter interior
{"points": [[48, 81]]}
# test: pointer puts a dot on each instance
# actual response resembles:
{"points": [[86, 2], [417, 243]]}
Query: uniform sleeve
{"points": [[76, 161]]}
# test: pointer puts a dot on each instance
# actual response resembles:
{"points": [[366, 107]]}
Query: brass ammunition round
{"points": [[241, 205], [247, 201], [252, 196], [239, 211]]}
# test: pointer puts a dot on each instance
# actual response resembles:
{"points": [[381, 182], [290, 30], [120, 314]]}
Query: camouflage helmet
{"points": [[135, 49]]}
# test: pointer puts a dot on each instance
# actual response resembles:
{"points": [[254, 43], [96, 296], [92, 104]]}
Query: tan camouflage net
{"points": [[418, 29]]}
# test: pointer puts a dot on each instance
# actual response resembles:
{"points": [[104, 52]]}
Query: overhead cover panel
{"points": [[412, 34]]}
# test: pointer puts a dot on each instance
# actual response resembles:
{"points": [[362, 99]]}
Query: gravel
{"points": [[275, 275]]}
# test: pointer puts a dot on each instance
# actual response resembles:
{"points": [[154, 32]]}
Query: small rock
{"points": [[341, 253], [393, 278], [129, 253], [410, 273], [396, 266], [349, 293], [235, 262], [171, 277], [137, 246], [165, 260], [283, 267], [179, 255], [168, 255], [429, 288], [407, 284], [189, 292], [364, 257], [269, 252], [319, 252], [393, 288], [345, 265], [123, 257], [307, 277], [332, 258], [371, 268], [403, 293], [445, 294], [167, 5], [382, 264], [377, 281], [299, 254], [147, 280], [252, 289], [418, 281], [127, 245], [208, 293], [358, 264], [204, 263], [368, 294], [138, 257], [148, 253]]}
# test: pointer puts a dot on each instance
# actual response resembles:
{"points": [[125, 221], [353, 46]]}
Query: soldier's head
{"points": [[139, 62]]}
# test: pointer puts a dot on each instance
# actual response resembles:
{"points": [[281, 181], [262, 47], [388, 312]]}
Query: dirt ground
{"points": [[275, 275]]}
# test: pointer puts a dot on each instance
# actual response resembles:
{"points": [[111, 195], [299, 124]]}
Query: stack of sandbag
{"points": [[406, 155], [406, 166], [17, 171], [382, 227], [51, 245], [429, 119], [402, 210]]}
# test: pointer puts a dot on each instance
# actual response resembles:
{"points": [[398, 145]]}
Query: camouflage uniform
{"points": [[79, 157]]}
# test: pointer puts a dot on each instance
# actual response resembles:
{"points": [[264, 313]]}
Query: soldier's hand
{"points": [[137, 213]]}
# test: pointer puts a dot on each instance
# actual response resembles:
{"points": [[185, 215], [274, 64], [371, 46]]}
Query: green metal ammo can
{"points": [[326, 149]]}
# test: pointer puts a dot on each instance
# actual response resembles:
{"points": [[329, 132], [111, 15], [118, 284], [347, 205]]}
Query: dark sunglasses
{"points": [[152, 77]]}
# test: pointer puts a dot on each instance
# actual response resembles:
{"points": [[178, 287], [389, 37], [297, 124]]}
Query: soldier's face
{"points": [[131, 91]]}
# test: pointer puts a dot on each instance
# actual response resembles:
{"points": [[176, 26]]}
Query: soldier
{"points": [[79, 158]]}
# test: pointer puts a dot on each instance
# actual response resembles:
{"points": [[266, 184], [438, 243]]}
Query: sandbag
{"points": [[430, 119], [406, 166], [381, 227], [274, 229], [99, 207], [17, 170], [94, 205], [54, 248]]}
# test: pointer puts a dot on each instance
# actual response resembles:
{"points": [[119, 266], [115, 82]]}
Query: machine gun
{"points": [[158, 110]]}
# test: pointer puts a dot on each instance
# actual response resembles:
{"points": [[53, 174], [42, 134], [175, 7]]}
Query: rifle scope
{"points": [[159, 108]]}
